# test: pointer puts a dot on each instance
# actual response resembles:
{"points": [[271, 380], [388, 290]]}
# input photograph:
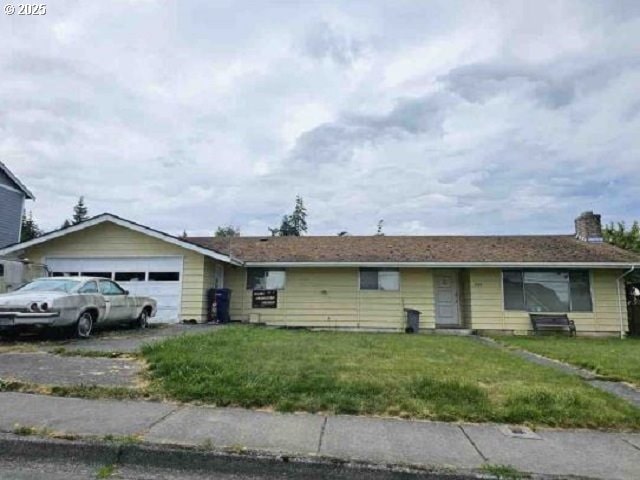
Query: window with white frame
{"points": [[266, 279], [379, 279], [547, 290]]}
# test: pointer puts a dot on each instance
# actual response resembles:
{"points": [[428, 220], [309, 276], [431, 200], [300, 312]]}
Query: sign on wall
{"points": [[265, 299]]}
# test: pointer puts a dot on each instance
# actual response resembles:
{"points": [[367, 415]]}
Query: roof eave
{"points": [[18, 183], [602, 265]]}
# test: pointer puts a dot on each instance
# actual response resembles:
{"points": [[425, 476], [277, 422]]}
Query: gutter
{"points": [[628, 272]]}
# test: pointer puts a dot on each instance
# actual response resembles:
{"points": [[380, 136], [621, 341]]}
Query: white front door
{"points": [[446, 298]]}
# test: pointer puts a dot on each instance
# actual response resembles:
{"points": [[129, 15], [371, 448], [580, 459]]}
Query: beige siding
{"points": [[109, 240], [487, 312], [331, 298]]}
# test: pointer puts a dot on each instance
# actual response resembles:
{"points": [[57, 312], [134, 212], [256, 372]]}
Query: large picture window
{"points": [[266, 279], [379, 279], [547, 290]]}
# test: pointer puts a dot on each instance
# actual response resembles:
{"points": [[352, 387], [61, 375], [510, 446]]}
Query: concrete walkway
{"points": [[620, 389], [437, 445]]}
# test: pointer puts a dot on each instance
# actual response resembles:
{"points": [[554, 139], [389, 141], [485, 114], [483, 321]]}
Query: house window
{"points": [[547, 290], [379, 279], [1, 270], [266, 279]]}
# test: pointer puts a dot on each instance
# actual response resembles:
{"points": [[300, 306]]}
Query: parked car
{"points": [[74, 303]]}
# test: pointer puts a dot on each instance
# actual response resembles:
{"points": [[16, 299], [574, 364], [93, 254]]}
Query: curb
{"points": [[189, 459]]}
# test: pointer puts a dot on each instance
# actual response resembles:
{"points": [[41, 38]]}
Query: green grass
{"points": [[418, 376], [610, 357], [503, 472]]}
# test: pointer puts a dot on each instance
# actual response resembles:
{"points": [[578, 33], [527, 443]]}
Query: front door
{"points": [[446, 298]]}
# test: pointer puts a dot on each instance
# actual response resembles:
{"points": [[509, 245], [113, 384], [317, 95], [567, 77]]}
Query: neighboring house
{"points": [[12, 196], [483, 283]]}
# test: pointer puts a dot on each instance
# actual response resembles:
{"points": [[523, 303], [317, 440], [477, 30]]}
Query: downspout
{"points": [[620, 300]]}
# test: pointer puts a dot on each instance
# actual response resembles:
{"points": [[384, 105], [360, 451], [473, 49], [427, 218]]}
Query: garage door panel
{"points": [[166, 293]]}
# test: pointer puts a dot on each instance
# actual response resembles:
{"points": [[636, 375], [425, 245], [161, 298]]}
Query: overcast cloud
{"points": [[439, 117]]}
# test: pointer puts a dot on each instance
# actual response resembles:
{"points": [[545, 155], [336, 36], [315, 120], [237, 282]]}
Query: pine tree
{"points": [[298, 220], [184, 235], [80, 212], [293, 225], [379, 231], [66, 224], [30, 229]]}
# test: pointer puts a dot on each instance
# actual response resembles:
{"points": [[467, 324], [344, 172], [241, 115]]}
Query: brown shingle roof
{"points": [[446, 249]]}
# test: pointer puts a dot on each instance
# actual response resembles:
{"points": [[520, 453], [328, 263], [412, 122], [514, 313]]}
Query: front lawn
{"points": [[610, 357], [419, 376]]}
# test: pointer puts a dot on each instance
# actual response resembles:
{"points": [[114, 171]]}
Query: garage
{"points": [[157, 277]]}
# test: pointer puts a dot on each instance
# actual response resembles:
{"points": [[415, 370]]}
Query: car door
{"points": [[117, 301]]}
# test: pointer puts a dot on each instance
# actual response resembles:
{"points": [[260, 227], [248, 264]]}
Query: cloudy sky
{"points": [[438, 117]]}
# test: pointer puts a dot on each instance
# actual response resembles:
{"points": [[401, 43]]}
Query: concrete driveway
{"points": [[38, 360]]}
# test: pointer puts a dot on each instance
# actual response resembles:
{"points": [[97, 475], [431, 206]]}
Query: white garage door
{"points": [[157, 277]]}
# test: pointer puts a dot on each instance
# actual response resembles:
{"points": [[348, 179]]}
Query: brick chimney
{"points": [[589, 227]]}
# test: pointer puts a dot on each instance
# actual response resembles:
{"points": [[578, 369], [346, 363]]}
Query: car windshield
{"points": [[46, 285]]}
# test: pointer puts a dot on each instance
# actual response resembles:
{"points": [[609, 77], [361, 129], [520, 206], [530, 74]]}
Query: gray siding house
{"points": [[12, 196]]}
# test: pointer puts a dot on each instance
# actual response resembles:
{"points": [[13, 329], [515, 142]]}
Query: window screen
{"points": [[379, 279], [513, 290], [266, 279], [580, 292]]}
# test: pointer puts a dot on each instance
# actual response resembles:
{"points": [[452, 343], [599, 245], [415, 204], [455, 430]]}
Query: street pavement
{"points": [[431, 445]]}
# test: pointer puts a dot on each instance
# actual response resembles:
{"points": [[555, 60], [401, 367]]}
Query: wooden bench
{"points": [[548, 321]]}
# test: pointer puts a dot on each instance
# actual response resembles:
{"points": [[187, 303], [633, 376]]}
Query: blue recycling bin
{"points": [[223, 302]]}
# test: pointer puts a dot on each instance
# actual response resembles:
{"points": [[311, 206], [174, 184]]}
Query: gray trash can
{"points": [[413, 320]]}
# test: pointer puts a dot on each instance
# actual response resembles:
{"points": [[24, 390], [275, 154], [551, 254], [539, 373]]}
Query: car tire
{"points": [[84, 325], [142, 321]]}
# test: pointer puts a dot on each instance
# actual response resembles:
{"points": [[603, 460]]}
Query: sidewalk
{"points": [[373, 440]]}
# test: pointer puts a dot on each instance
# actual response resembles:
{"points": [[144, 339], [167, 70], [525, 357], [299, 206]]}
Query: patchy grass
{"points": [[613, 358], [418, 376], [503, 472], [105, 471]]}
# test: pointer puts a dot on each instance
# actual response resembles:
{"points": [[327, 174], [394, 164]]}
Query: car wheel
{"points": [[84, 325], [143, 320]]}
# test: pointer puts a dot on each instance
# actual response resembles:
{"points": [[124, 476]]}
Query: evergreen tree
{"points": [[29, 229], [228, 231], [66, 224], [80, 212], [293, 225], [298, 220], [184, 235], [343, 233], [618, 235], [379, 231]]}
